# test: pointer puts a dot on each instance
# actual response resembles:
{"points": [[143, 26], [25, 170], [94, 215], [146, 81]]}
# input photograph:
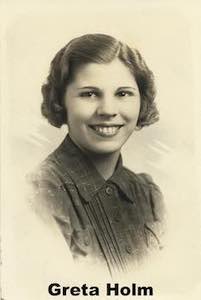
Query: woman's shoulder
{"points": [[140, 178], [47, 192], [48, 173], [144, 184]]}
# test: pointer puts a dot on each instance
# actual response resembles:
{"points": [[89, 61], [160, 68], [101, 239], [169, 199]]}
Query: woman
{"points": [[103, 91]]}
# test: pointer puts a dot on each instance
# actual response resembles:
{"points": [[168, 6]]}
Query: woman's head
{"points": [[99, 49]]}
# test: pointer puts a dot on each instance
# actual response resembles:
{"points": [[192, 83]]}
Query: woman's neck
{"points": [[104, 163]]}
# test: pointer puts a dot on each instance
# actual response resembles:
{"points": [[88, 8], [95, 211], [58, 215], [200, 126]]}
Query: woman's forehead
{"points": [[102, 74]]}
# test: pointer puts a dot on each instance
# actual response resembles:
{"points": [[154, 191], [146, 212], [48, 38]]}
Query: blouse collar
{"points": [[85, 176]]}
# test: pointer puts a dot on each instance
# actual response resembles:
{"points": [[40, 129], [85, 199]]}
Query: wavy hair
{"points": [[96, 48]]}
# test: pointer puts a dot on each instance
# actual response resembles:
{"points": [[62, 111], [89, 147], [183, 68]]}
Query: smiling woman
{"points": [[103, 91]]}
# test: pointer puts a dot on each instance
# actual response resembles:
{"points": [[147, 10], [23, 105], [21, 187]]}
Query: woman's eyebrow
{"points": [[127, 87], [89, 87], [96, 88]]}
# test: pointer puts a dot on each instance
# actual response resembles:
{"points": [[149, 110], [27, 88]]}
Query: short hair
{"points": [[96, 48]]}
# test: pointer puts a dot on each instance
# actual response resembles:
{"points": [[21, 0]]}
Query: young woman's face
{"points": [[103, 104]]}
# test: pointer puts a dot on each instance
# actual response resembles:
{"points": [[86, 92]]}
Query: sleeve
{"points": [[155, 220], [49, 199], [156, 199]]}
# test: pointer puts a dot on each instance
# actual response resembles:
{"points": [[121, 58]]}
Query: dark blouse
{"points": [[116, 221]]}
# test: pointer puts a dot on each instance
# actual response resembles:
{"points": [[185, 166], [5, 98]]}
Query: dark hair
{"points": [[95, 48]]}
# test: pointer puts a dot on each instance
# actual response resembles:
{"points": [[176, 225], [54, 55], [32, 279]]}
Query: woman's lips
{"points": [[106, 130]]}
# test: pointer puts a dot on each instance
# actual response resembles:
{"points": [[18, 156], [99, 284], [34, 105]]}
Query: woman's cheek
{"points": [[130, 115], [84, 109]]}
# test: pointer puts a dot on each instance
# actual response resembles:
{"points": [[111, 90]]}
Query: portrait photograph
{"points": [[100, 150]]}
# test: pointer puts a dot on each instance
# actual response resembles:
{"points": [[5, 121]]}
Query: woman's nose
{"points": [[107, 107]]}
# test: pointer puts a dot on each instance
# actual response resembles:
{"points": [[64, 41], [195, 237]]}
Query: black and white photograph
{"points": [[100, 150], [103, 91]]}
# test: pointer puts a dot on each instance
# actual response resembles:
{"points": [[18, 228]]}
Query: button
{"points": [[128, 249], [117, 216], [86, 240], [108, 190]]}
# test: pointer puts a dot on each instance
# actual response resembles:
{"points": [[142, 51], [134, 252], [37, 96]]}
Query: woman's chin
{"points": [[104, 148]]}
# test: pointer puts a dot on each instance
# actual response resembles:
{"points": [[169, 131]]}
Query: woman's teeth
{"points": [[106, 130]]}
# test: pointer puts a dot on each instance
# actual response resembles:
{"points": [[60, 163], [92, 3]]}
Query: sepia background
{"points": [[167, 35]]}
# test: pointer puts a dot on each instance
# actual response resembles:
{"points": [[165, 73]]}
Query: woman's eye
{"points": [[89, 94], [124, 93]]}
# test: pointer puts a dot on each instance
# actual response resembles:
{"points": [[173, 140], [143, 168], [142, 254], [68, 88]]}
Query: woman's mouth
{"points": [[106, 131]]}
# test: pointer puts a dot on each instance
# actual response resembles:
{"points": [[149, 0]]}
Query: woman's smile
{"points": [[106, 130], [102, 104]]}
